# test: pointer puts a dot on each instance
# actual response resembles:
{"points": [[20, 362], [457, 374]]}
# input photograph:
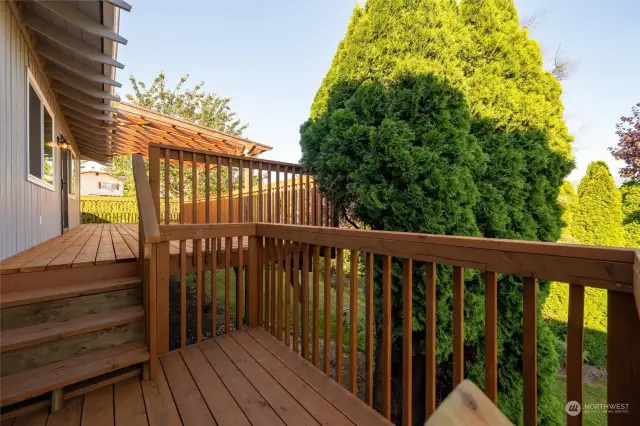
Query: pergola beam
{"points": [[65, 39], [77, 96], [82, 21], [76, 106], [75, 67]]}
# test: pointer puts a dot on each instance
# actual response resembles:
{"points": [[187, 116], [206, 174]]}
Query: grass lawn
{"points": [[593, 394]]}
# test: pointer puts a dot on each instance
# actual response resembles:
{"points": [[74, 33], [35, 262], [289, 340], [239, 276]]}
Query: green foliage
{"points": [[631, 213], [439, 118], [192, 105], [122, 168], [568, 199], [94, 208], [597, 219]]}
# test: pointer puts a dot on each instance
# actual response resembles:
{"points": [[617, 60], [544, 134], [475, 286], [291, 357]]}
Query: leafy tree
{"points": [[628, 148], [439, 118], [631, 213], [568, 199], [597, 219], [191, 105]]}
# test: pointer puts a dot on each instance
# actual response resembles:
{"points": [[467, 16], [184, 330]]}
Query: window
{"points": [[70, 171], [40, 139], [109, 186]]}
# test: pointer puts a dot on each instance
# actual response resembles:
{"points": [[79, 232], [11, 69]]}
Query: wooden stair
{"points": [[20, 386], [60, 336]]}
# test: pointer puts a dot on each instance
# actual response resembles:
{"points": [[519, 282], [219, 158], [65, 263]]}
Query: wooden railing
{"points": [[257, 191], [288, 266]]}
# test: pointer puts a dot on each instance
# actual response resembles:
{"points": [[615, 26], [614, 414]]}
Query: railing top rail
{"points": [[145, 199], [223, 155]]}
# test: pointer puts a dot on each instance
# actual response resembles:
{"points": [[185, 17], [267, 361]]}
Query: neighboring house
{"points": [[93, 182]]}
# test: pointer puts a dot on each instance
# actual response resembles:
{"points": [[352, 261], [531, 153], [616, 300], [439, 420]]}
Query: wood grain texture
{"points": [[458, 325], [407, 340], [530, 349], [386, 337], [339, 315], [430, 350], [491, 336], [575, 351]]}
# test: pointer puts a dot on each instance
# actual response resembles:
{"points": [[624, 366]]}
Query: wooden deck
{"points": [[88, 245], [244, 378]]}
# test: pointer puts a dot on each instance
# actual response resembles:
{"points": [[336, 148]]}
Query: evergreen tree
{"points": [[417, 89], [568, 199], [631, 211], [597, 219]]}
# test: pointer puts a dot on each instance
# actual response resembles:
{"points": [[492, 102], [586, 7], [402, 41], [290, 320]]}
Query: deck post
{"points": [[252, 282]]}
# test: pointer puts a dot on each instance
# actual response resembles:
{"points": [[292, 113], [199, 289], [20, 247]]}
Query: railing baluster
{"points": [[407, 337], [207, 200], [274, 286], [307, 219], [154, 178], [214, 282], [530, 350], [491, 336], [183, 293], [240, 299], [294, 218], [270, 218], [286, 247], [315, 354], [339, 310], [218, 195], [181, 186], [430, 326], [230, 193], [296, 295], [575, 349], [278, 216], [227, 285], [251, 214], [167, 205], [327, 308], [199, 287], [458, 325], [280, 289], [267, 281], [305, 301], [353, 326], [261, 280], [240, 191], [162, 296], [368, 278], [260, 194], [286, 194], [386, 337]]}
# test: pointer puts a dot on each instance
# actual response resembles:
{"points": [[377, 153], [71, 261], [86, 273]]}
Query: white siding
{"points": [[22, 203], [89, 181]]}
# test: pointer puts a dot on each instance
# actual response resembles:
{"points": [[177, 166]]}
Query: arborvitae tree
{"points": [[597, 219], [631, 213], [439, 118], [568, 199]]}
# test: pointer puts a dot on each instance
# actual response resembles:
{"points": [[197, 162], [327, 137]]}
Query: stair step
{"points": [[37, 381], [56, 292], [54, 330]]}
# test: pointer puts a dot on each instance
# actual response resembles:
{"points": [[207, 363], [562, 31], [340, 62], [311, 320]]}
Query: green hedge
{"points": [[100, 209]]}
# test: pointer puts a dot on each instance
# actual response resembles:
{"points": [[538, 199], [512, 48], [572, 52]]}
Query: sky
{"points": [[270, 57]]}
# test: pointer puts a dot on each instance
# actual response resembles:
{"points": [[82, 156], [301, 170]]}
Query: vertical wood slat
{"points": [[251, 215], [294, 216], [353, 326], [167, 204], [227, 285], [305, 301], [214, 282], [407, 337], [240, 299], [286, 194], [327, 308], [458, 325], [368, 278], [575, 349], [315, 353], [260, 194], [255, 244], [280, 290], [269, 195], [430, 350], [287, 292], [308, 220], [154, 178], [194, 206], [296, 296], [386, 337], [277, 196], [183, 293], [218, 193], [240, 191], [491, 336], [162, 297], [267, 280], [151, 303], [623, 355], [207, 199], [261, 281], [230, 192], [530, 349], [274, 286], [339, 318], [197, 252], [181, 185], [314, 210]]}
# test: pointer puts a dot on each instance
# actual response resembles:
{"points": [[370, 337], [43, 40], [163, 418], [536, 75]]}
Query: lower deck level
{"points": [[243, 378]]}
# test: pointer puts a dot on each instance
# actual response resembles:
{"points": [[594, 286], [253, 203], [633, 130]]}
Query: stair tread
{"points": [[37, 381], [56, 292], [53, 330]]}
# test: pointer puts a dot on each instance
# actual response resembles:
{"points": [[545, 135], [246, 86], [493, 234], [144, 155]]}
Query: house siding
{"points": [[23, 204], [90, 185]]}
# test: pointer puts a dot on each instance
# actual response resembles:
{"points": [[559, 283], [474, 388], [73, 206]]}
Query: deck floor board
{"points": [[237, 379]]}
